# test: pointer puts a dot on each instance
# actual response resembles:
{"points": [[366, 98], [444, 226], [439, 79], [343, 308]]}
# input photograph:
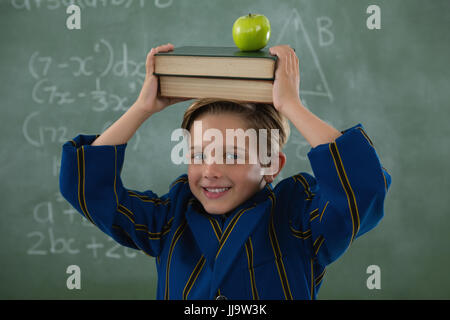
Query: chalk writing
{"points": [[101, 63], [305, 50], [47, 242], [58, 4]]}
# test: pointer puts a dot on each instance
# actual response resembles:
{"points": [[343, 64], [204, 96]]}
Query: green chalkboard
{"points": [[58, 82]]}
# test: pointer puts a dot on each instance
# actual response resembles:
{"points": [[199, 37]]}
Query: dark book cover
{"points": [[218, 52]]}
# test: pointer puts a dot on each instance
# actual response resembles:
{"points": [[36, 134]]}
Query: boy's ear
{"points": [[281, 162]]}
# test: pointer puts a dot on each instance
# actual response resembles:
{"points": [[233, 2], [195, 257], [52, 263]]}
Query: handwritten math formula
{"points": [[85, 4], [102, 63]]}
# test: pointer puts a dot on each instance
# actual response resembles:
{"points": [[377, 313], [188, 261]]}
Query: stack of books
{"points": [[216, 72]]}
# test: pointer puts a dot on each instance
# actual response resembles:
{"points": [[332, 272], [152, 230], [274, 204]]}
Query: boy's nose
{"points": [[211, 170]]}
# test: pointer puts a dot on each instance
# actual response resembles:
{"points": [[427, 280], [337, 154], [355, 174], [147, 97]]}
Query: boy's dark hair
{"points": [[257, 115]]}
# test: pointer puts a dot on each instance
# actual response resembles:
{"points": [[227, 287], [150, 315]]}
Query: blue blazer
{"points": [[275, 245]]}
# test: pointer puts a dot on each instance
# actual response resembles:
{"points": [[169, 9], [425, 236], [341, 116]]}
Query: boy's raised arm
{"points": [[124, 128], [148, 103], [286, 99]]}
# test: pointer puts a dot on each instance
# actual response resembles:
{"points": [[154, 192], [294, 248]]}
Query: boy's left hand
{"points": [[287, 78]]}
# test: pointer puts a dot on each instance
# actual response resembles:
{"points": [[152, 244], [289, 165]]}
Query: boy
{"points": [[223, 231]]}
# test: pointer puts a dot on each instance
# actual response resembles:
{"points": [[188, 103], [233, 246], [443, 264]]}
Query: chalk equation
{"points": [[40, 65], [39, 135], [47, 92], [46, 243], [47, 239], [84, 4], [102, 63]]}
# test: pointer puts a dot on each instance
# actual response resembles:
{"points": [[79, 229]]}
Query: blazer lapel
{"points": [[203, 230], [236, 233]]}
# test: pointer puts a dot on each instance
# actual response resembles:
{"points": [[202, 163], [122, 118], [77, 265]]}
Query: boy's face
{"points": [[221, 187]]}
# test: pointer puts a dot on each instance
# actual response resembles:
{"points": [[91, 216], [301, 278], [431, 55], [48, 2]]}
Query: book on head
{"points": [[219, 72]]}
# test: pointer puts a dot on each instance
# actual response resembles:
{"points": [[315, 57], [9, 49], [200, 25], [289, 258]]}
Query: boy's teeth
{"points": [[217, 189]]}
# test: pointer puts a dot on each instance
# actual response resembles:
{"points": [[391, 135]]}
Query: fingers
{"points": [[281, 50], [288, 60], [150, 61]]}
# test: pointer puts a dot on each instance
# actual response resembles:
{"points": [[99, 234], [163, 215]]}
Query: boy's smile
{"points": [[221, 187], [215, 192]]}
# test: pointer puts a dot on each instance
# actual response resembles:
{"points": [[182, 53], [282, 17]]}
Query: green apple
{"points": [[251, 32]]}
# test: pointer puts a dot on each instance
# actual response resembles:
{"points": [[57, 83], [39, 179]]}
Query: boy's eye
{"points": [[197, 156], [231, 156]]}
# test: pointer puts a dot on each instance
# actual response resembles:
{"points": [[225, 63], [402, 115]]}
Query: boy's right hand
{"points": [[149, 100]]}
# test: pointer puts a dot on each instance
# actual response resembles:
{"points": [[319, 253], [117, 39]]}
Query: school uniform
{"points": [[275, 245]]}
